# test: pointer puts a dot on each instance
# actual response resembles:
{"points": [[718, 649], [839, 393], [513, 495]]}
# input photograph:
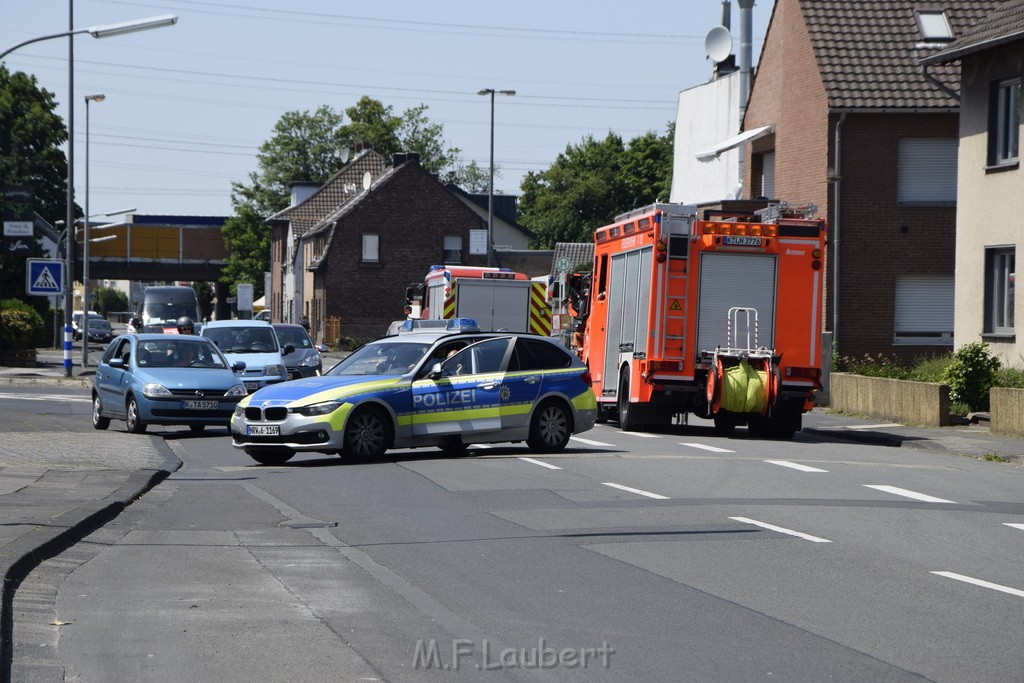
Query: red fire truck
{"points": [[497, 298], [718, 316]]}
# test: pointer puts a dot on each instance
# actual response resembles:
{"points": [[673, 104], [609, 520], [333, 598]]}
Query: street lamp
{"points": [[101, 31], [85, 240], [490, 185]]}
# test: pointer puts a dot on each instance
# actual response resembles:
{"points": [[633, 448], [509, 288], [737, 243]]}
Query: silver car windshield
{"points": [[242, 339], [383, 358]]}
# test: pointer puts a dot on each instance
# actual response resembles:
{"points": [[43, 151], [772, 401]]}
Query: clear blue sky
{"points": [[188, 106]]}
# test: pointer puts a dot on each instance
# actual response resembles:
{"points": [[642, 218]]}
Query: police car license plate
{"points": [[200, 405], [252, 386], [741, 241], [263, 430]]}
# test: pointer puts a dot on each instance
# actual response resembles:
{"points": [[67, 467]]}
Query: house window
{"points": [[999, 289], [371, 248], [934, 25], [453, 249], [927, 171], [924, 310], [1004, 131], [767, 175]]}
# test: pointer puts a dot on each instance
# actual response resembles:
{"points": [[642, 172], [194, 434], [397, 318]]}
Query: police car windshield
{"points": [[382, 358]]}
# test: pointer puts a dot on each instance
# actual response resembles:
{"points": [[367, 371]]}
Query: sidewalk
{"points": [[60, 480]]}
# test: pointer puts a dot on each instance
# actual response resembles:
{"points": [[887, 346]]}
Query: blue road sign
{"points": [[44, 277]]}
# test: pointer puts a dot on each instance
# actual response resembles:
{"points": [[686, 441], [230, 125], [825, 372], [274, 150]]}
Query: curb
{"points": [[45, 542], [869, 438]]}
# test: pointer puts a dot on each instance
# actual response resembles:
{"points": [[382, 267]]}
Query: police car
{"points": [[448, 388]]}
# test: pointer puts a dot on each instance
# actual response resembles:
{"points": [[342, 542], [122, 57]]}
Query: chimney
{"points": [[402, 157], [302, 190]]}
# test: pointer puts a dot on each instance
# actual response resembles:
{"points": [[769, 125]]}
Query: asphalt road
{"points": [[679, 555]]}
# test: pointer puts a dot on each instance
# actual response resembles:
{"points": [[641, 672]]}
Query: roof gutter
{"points": [[937, 83]]}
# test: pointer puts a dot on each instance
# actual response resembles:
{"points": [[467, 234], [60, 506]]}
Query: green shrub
{"points": [[930, 369], [20, 324], [971, 374], [872, 366], [1012, 378]]}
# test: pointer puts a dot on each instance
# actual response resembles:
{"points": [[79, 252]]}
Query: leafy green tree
{"points": [[31, 135], [472, 177], [248, 242], [592, 182], [110, 300]]}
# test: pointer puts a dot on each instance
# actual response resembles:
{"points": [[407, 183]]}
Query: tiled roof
{"points": [[338, 189], [580, 255], [1005, 25], [869, 51]]}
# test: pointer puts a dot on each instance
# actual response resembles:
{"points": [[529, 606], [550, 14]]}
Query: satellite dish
{"points": [[718, 44], [345, 152], [367, 179]]}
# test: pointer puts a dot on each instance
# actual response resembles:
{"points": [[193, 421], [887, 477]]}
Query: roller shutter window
{"points": [[924, 310], [371, 248], [927, 171], [768, 175], [452, 249]]}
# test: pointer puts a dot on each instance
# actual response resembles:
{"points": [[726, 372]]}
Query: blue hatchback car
{"points": [[165, 379]]}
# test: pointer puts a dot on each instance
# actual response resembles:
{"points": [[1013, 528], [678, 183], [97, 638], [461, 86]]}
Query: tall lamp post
{"points": [[85, 239], [102, 31], [490, 184]]}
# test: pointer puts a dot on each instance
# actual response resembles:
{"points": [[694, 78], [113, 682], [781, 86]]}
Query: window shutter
{"points": [[768, 175], [924, 309], [927, 171]]}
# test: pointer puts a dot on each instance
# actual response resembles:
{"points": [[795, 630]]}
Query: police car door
{"points": [[465, 399], [520, 386]]}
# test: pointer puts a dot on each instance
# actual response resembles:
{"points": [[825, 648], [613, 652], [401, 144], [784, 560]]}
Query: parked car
{"points": [[76, 323], [305, 360], [431, 388], [262, 315], [100, 331], [254, 343], [164, 380]]}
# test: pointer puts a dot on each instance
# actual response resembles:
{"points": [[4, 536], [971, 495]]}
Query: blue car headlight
{"points": [[237, 390], [315, 409], [154, 390], [274, 370]]}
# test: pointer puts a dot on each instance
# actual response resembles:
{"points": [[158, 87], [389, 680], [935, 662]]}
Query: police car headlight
{"points": [[239, 410], [275, 370], [153, 390], [324, 408], [237, 390], [309, 362]]}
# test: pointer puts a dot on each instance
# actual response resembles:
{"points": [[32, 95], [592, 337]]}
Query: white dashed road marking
{"points": [[643, 435], [895, 490], [637, 491], [795, 466], [781, 530], [589, 442], [1015, 526], [983, 584], [713, 449], [541, 463], [46, 397]]}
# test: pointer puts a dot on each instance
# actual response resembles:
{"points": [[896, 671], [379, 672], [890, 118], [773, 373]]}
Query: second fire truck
{"points": [[719, 316]]}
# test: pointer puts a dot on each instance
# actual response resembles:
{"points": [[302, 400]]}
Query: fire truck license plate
{"points": [[263, 430], [741, 241], [200, 405]]}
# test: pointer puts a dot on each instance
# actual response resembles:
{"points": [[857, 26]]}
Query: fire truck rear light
{"points": [[816, 265], [661, 246], [725, 229], [739, 229], [660, 257], [813, 373], [754, 230], [771, 231], [816, 253], [670, 365], [710, 229]]}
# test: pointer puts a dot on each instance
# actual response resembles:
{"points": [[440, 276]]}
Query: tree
{"points": [[309, 146], [472, 178], [592, 182], [110, 300], [31, 135]]}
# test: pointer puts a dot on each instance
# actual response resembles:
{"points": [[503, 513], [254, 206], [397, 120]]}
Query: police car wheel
{"points": [[550, 427], [134, 424], [98, 421], [367, 434], [270, 456]]}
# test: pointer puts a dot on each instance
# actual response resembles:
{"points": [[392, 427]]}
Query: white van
{"points": [[254, 343], [162, 306]]}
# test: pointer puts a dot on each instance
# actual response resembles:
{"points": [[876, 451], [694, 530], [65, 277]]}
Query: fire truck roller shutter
{"points": [[643, 306], [613, 329], [730, 279]]}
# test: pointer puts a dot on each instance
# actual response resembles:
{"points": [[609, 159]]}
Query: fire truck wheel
{"points": [[550, 427], [627, 413]]}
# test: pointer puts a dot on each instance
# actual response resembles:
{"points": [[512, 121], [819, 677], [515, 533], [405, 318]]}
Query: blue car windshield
{"points": [[179, 353], [383, 358]]}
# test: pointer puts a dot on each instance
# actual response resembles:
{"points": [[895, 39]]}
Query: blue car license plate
{"points": [[200, 405]]}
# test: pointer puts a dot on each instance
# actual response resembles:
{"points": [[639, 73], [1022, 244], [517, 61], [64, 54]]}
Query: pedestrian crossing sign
{"points": [[44, 277]]}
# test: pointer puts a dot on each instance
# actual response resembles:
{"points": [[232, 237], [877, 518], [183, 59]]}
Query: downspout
{"points": [[939, 84], [834, 251], [746, 56]]}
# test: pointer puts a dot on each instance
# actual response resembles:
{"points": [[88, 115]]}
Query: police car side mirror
{"points": [[238, 365], [435, 371]]}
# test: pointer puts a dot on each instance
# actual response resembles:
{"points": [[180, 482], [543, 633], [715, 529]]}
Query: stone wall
{"points": [[917, 403]]}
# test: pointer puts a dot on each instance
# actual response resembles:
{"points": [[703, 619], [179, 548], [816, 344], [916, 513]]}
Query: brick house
{"points": [[365, 252], [291, 289], [851, 123], [990, 186]]}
